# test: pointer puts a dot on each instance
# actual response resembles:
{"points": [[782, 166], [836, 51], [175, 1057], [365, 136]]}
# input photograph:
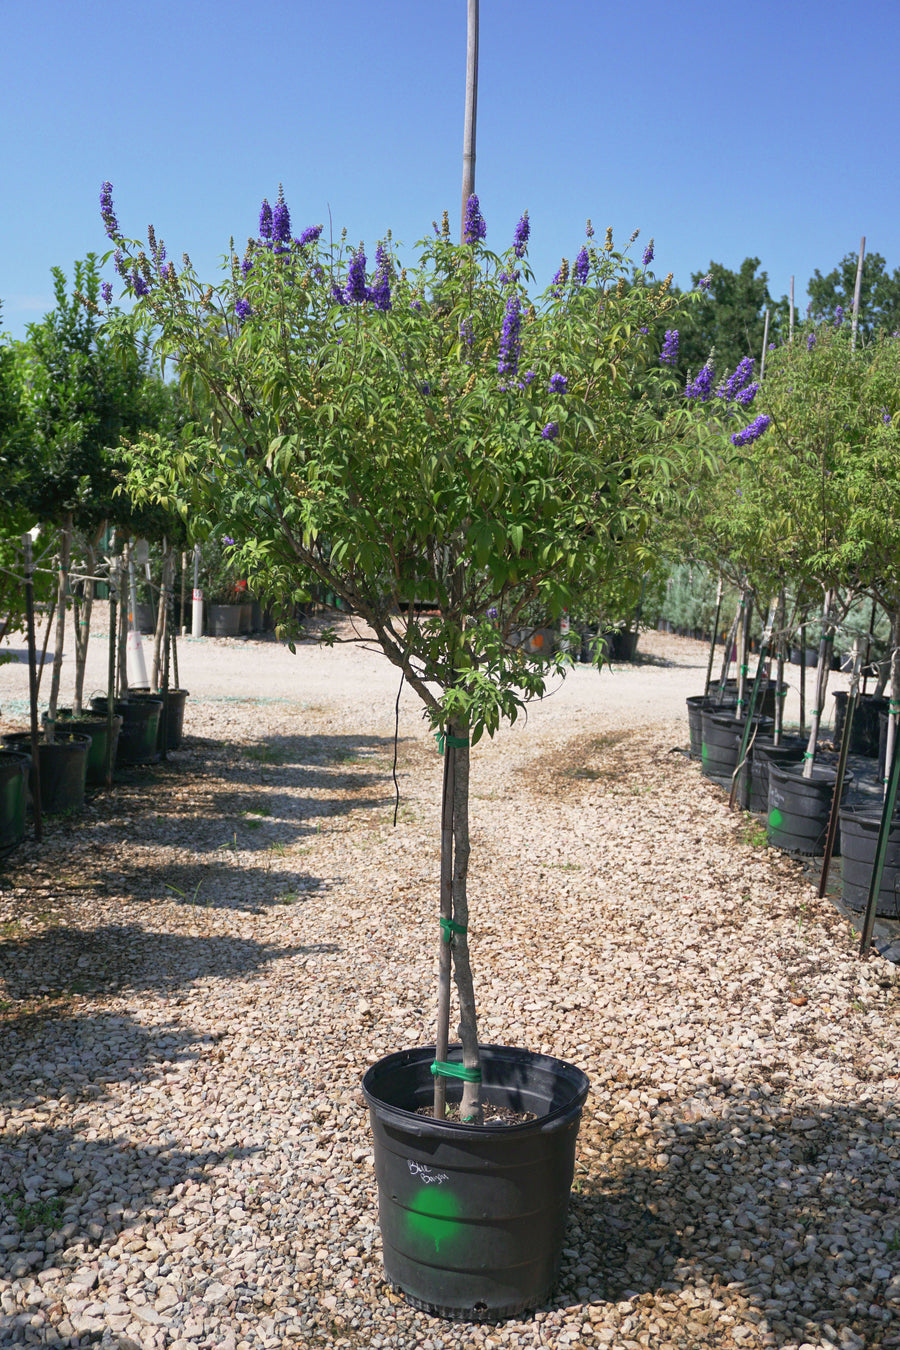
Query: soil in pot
{"points": [[859, 844], [13, 794], [799, 808], [473, 1216]]}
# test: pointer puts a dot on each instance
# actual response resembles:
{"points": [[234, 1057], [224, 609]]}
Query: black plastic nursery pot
{"points": [[799, 808], [13, 794], [859, 844], [722, 735], [864, 732], [97, 728], [63, 768], [140, 715], [695, 707], [764, 753], [172, 715], [473, 1217]]}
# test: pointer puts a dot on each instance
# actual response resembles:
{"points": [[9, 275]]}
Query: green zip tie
{"points": [[439, 1068], [894, 707], [455, 742], [807, 754], [449, 927]]}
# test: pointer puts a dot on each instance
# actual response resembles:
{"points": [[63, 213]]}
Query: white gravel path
{"points": [[195, 972]]}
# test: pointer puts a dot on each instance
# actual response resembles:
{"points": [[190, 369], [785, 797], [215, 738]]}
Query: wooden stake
{"points": [[468, 180], [33, 689], [856, 292], [762, 360], [791, 316]]}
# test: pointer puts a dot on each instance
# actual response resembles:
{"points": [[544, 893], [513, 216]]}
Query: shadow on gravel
{"points": [[798, 1215], [63, 961]]}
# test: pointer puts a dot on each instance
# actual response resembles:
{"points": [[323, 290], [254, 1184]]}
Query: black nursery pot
{"points": [[722, 736], [864, 732], [13, 793], [140, 715], [764, 753], [473, 1216], [859, 844], [799, 808], [63, 768], [173, 701]]}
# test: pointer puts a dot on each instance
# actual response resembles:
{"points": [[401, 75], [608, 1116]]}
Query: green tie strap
{"points": [[455, 742], [444, 1070], [449, 927]]}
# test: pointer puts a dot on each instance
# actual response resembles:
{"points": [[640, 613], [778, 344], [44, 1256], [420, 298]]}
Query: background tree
{"points": [[879, 296], [727, 315]]}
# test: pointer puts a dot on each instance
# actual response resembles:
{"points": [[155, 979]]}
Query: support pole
{"points": [[468, 179], [197, 607], [856, 293], [445, 958], [33, 689]]}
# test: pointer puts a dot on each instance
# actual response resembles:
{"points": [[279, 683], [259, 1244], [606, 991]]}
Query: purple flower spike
{"points": [[701, 387], [520, 238], [337, 295], [242, 312], [138, 283], [648, 255], [669, 354], [839, 316], [582, 268], [310, 235], [281, 221], [107, 212], [356, 290], [265, 221], [550, 431], [474, 228], [106, 292], [558, 384], [508, 363], [746, 396], [885, 417], [753, 431], [730, 388], [811, 341]]}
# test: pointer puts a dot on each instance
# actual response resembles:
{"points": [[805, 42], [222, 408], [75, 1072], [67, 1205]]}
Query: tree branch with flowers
{"points": [[435, 446]]}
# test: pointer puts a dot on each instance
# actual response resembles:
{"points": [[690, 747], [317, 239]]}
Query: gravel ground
{"points": [[196, 971]]}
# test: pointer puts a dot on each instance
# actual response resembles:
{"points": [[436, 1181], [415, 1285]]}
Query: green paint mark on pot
{"points": [[704, 752], [776, 819], [433, 1215]]}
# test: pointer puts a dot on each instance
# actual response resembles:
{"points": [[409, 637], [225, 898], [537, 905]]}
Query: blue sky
{"points": [[724, 131]]}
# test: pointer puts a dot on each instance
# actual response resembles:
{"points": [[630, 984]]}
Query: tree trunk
{"points": [[894, 705], [822, 671], [65, 548], [162, 611], [83, 621], [470, 1107]]}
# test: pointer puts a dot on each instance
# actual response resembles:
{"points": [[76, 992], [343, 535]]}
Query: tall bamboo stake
{"points": [[791, 315], [468, 180], [762, 360], [715, 629], [856, 293]]}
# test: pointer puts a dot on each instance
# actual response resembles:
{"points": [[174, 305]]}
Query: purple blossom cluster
{"points": [[520, 238], [281, 224], [669, 354], [648, 255], [743, 374], [558, 384], [508, 362], [106, 292], [107, 212], [753, 431], [746, 396], [550, 431], [811, 341], [581, 270], [701, 387], [309, 236], [839, 316], [242, 312], [474, 228], [380, 292], [356, 291]]}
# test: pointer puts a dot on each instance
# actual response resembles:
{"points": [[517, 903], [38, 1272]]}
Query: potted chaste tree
{"points": [[442, 455]]}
